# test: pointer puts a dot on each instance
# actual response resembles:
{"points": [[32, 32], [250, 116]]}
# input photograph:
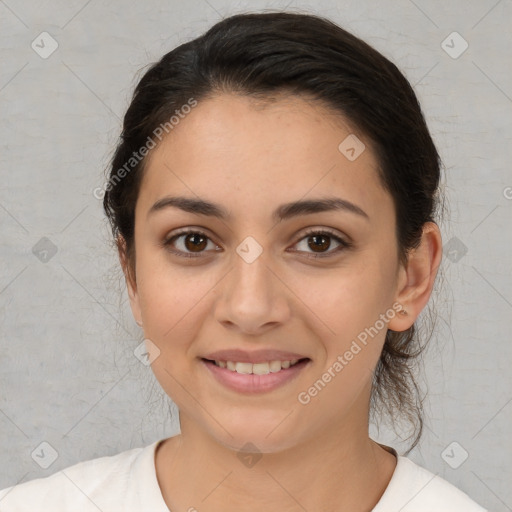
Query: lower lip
{"points": [[250, 383]]}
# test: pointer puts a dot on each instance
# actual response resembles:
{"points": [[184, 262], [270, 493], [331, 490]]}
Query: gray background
{"points": [[68, 375]]}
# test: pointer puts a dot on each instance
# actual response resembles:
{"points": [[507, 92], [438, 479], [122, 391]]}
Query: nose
{"points": [[252, 298]]}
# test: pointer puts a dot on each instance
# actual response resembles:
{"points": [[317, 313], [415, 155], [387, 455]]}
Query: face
{"points": [[264, 281]]}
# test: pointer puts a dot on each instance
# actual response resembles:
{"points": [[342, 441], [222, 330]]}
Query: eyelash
{"points": [[343, 243]]}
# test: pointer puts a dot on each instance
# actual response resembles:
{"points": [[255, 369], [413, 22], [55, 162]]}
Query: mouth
{"points": [[252, 378]]}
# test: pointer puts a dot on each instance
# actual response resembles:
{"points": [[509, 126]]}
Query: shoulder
{"points": [[415, 489], [104, 483]]}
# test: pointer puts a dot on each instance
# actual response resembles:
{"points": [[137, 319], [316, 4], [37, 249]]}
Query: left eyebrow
{"points": [[283, 212], [306, 207]]}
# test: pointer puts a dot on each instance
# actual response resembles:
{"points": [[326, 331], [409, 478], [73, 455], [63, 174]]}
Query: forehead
{"points": [[243, 150]]}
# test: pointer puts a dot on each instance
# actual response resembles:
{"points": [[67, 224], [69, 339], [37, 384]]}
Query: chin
{"points": [[268, 433]]}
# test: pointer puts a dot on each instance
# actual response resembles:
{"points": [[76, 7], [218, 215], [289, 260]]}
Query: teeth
{"points": [[274, 366], [256, 368], [243, 367]]}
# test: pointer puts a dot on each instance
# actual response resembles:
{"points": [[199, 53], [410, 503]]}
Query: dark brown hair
{"points": [[262, 54]]}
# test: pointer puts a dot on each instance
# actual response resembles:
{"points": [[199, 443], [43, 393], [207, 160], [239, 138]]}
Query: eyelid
{"points": [[189, 230], [319, 230]]}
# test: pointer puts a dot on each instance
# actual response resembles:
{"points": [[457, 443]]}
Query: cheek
{"points": [[348, 299], [170, 296], [349, 307], [174, 303]]}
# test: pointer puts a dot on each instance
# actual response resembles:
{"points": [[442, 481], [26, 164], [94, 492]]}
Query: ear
{"points": [[416, 278], [131, 283]]}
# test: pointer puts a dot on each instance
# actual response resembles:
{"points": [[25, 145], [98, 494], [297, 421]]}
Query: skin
{"points": [[250, 158]]}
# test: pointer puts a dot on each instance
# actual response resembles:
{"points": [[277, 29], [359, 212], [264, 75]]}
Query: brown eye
{"points": [[188, 244], [319, 243], [195, 242]]}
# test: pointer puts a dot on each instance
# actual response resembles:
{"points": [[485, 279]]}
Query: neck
{"points": [[340, 468]]}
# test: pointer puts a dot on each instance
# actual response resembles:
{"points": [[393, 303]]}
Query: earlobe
{"points": [[417, 277]]}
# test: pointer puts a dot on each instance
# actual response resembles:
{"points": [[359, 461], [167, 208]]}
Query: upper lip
{"points": [[256, 356]]}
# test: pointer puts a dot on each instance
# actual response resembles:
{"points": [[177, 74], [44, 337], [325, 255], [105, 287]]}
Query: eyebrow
{"points": [[283, 212]]}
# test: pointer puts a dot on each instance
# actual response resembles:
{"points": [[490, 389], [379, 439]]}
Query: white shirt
{"points": [[127, 482]]}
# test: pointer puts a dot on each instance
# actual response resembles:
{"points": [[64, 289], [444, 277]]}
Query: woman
{"points": [[273, 201]]}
